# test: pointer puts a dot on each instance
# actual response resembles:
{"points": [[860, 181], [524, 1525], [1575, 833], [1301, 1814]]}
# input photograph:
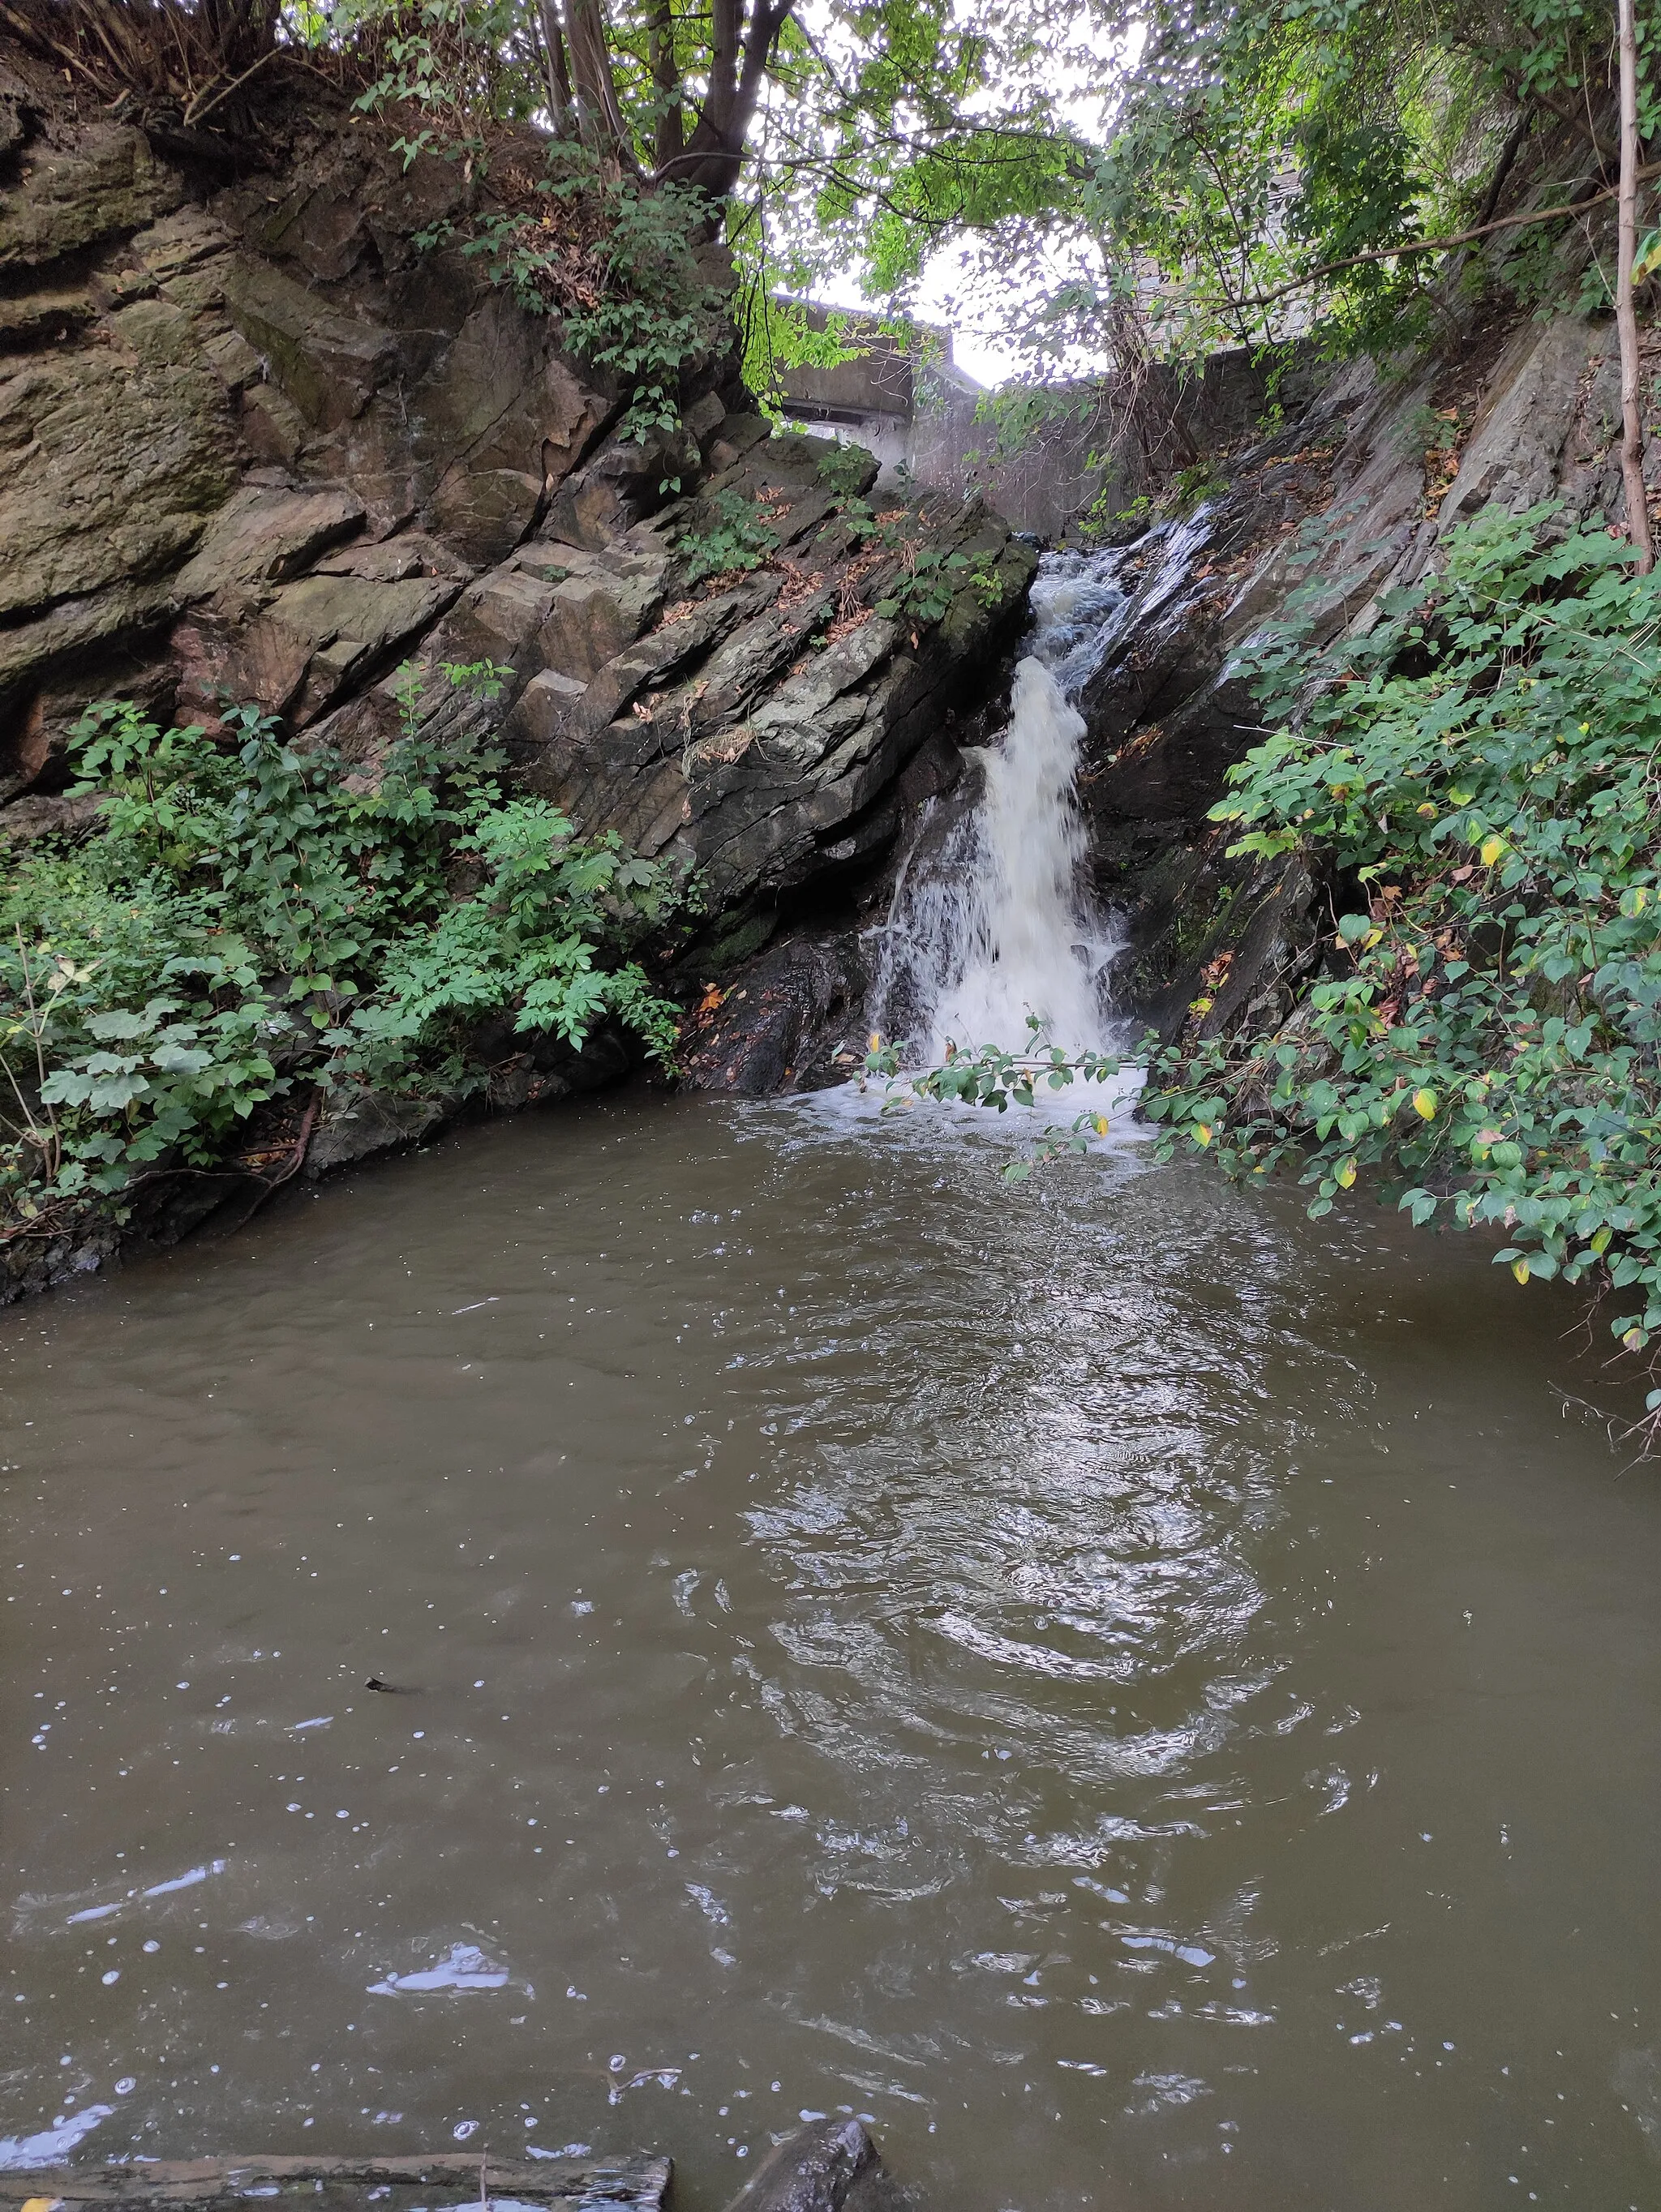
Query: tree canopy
{"points": [[1220, 172]]}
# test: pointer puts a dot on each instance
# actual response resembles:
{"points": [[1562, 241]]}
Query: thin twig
{"points": [[40, 1048], [194, 114], [1626, 316]]}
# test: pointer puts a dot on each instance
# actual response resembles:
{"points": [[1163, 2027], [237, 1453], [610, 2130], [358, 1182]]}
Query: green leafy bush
{"points": [[248, 919], [732, 542], [1483, 768], [924, 585], [1477, 782], [444, 64], [619, 265]]}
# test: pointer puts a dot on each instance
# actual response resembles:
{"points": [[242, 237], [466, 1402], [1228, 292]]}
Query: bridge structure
{"points": [[923, 417]]}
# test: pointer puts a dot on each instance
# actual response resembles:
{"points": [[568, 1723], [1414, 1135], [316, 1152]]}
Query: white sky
{"points": [[980, 353]]}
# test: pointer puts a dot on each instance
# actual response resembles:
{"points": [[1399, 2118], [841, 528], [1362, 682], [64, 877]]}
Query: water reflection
{"points": [[1139, 1694]]}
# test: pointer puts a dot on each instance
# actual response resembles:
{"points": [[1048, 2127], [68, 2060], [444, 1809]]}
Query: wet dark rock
{"points": [[791, 1022], [523, 1071], [364, 1122], [62, 819], [830, 2165], [163, 1208]]}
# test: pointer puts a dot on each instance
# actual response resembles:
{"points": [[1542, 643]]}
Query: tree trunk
{"points": [[556, 75], [738, 59], [1626, 315], [600, 119], [671, 133]]}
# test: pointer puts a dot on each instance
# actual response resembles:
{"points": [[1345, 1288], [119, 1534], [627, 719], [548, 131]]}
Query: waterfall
{"points": [[992, 922]]}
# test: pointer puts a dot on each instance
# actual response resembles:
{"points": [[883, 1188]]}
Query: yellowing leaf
{"points": [[1345, 1175], [1428, 811], [1492, 848], [875, 1041], [1424, 1104], [1203, 1133], [1520, 1269], [1101, 1125], [1600, 1242]]}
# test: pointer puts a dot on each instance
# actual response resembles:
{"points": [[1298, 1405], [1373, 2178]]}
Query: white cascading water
{"points": [[1027, 946], [992, 924]]}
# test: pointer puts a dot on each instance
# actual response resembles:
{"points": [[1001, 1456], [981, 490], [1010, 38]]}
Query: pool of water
{"points": [[1153, 1700]]}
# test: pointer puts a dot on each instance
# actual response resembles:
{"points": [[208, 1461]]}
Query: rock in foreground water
{"points": [[832, 2166]]}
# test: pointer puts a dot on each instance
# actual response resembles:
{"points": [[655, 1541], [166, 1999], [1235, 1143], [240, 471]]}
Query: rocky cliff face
{"points": [[264, 448], [1351, 499], [261, 446]]}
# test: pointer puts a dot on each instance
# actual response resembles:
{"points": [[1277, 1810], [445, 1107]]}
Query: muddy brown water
{"points": [[1153, 1700]]}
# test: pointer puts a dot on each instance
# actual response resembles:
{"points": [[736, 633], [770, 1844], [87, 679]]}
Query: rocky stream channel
{"points": [[695, 1623], [264, 448]]}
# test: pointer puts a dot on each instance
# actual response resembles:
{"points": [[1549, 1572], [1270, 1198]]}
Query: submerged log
{"points": [[636, 2181]]}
